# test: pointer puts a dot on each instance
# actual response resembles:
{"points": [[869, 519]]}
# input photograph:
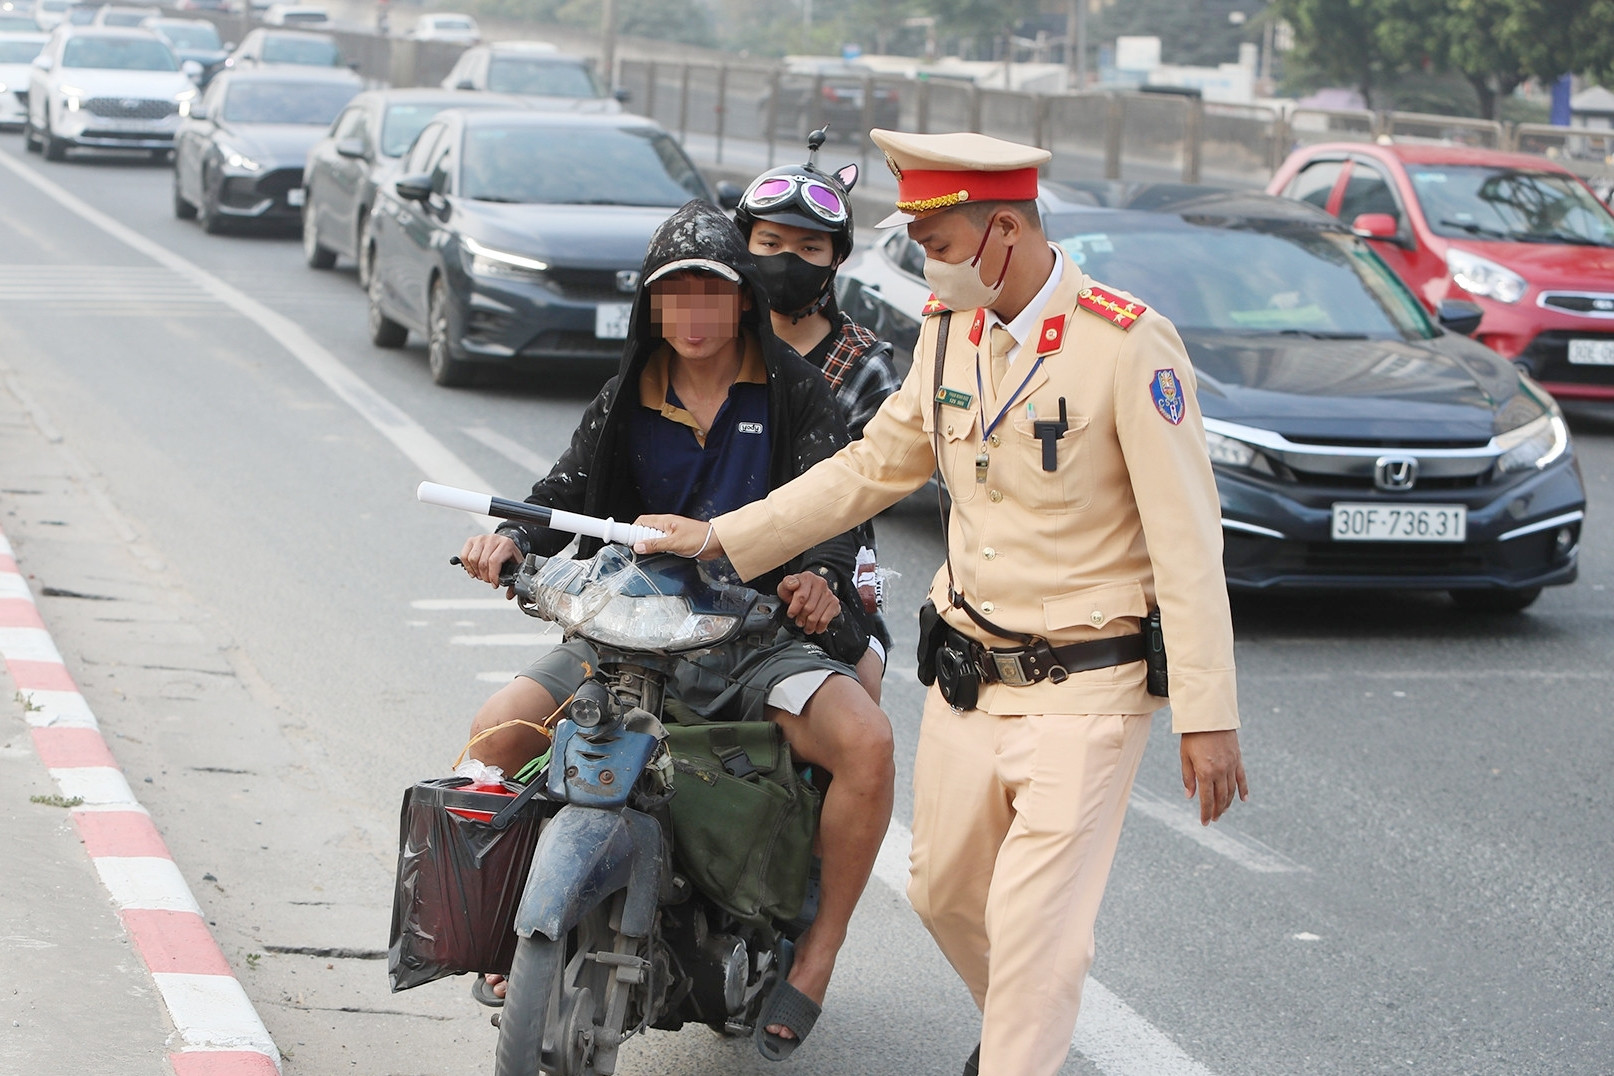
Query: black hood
{"points": [[698, 230]]}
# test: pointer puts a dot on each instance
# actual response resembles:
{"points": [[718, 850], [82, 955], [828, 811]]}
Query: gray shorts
{"points": [[718, 686]]}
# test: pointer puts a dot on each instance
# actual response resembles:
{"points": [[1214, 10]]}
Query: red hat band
{"points": [[925, 190]]}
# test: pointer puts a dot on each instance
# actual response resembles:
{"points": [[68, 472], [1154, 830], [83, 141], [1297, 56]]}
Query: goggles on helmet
{"points": [[814, 197]]}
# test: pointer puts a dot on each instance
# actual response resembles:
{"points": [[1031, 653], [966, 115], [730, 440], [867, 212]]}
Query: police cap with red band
{"points": [[940, 171]]}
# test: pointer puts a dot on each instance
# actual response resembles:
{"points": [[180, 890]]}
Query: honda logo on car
{"points": [[1395, 473]]}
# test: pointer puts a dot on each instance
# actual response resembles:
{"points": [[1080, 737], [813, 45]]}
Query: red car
{"points": [[1520, 236]]}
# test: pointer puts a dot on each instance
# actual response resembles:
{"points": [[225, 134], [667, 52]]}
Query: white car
{"points": [[104, 88], [17, 52], [296, 15], [453, 28], [47, 13], [121, 16]]}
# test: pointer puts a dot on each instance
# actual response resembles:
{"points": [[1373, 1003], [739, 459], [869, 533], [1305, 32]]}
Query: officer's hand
{"points": [[812, 604], [485, 554], [1212, 766], [684, 537]]}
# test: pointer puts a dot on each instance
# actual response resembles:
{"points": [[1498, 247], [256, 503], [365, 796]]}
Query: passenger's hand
{"points": [[485, 554], [812, 604], [1212, 766], [685, 537]]}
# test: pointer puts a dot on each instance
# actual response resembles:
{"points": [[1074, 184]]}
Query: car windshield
{"points": [[124, 18], [10, 21], [577, 166], [404, 122], [1298, 281], [308, 51], [286, 102], [119, 54], [189, 35], [304, 16], [541, 78], [1510, 205], [19, 52], [450, 24]]}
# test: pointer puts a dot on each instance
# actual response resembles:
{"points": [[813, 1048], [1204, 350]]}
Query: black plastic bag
{"points": [[459, 881]]}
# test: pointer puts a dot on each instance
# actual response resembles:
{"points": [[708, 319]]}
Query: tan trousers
{"points": [[1015, 825]]}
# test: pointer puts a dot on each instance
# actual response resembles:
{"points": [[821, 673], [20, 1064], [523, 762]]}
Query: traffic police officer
{"points": [[1065, 425]]}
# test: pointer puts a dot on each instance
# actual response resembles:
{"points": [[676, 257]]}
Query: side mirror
{"points": [[414, 188], [353, 65], [465, 84], [729, 194], [1459, 316], [192, 69], [1380, 226], [42, 62], [352, 148], [622, 94], [194, 109]]}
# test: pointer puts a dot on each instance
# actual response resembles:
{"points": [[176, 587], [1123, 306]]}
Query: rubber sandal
{"points": [[482, 991], [972, 1064], [786, 1006]]}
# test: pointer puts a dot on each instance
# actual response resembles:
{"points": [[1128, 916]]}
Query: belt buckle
{"points": [[1009, 669]]}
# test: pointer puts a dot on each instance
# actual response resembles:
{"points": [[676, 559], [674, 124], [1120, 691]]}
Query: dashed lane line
{"points": [[514, 451]]}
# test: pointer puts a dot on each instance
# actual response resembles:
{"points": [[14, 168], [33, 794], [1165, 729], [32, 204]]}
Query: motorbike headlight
{"points": [[1533, 445], [481, 260], [658, 622], [1481, 276]]}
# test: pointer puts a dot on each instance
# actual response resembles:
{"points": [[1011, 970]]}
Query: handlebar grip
{"points": [[450, 497]]}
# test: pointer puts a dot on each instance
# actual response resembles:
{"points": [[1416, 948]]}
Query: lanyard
{"points": [[986, 431]]}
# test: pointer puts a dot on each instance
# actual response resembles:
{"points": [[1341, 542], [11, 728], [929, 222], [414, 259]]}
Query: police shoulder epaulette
{"points": [[1122, 313], [933, 305]]}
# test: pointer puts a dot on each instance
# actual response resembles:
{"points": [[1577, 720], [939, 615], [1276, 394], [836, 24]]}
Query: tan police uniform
{"points": [[1019, 801]]}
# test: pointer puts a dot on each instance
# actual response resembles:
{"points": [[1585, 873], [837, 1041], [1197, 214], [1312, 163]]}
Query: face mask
{"points": [[794, 284], [959, 286]]}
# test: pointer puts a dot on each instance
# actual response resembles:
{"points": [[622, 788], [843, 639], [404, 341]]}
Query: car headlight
{"points": [[238, 160], [1533, 445], [1481, 276], [2, 87], [72, 97], [1228, 451], [485, 261], [655, 622]]}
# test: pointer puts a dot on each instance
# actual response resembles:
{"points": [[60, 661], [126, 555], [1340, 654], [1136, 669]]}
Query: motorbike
{"points": [[613, 938]]}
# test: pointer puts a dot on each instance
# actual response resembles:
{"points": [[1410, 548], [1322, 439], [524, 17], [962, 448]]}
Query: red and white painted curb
{"points": [[218, 1032]]}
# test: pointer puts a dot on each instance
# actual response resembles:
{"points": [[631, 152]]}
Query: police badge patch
{"points": [[1167, 396]]}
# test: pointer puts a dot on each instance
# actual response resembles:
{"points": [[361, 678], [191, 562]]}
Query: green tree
{"points": [[1462, 36], [1336, 43]]}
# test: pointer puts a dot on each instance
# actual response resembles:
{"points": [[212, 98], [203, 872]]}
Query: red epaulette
{"points": [[933, 305], [1110, 307]]}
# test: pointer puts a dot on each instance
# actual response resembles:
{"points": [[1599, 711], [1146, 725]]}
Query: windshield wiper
{"points": [[1320, 334], [1477, 229], [496, 198]]}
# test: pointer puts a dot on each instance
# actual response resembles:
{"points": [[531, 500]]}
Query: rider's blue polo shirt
{"points": [[683, 470]]}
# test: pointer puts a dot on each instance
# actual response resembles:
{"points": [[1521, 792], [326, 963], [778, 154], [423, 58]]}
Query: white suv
{"points": [[104, 88]]}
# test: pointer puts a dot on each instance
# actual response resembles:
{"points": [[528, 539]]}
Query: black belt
{"points": [[1021, 666]]}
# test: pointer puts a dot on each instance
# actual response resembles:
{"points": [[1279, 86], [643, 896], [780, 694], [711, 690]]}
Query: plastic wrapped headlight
{"points": [[658, 622], [1533, 445], [1481, 276]]}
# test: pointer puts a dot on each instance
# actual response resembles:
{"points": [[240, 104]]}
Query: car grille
{"points": [[556, 342], [275, 184], [594, 285], [1362, 558], [130, 108], [1547, 359], [1593, 304], [1365, 481]]}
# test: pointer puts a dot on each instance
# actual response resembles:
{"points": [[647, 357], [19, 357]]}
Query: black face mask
{"points": [[795, 286]]}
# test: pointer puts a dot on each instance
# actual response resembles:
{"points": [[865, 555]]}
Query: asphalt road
{"points": [[1419, 882]]}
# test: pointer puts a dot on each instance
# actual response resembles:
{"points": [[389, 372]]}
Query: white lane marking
{"points": [[1246, 851], [511, 639], [462, 603], [1109, 1032], [28, 644], [428, 453], [514, 451], [212, 1012], [102, 788], [147, 883], [59, 709]]}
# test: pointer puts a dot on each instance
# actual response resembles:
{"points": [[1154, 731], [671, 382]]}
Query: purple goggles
{"points": [[816, 198]]}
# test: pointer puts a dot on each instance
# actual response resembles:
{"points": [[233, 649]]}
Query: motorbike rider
{"points": [[709, 412], [798, 223]]}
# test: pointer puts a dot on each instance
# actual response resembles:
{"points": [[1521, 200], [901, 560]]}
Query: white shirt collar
{"points": [[1023, 327]]}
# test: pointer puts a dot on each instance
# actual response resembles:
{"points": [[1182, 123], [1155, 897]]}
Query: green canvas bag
{"points": [[743, 819]]}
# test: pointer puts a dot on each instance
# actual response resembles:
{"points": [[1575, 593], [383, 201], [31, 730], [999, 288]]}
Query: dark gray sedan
{"points": [[516, 238], [239, 155], [363, 148]]}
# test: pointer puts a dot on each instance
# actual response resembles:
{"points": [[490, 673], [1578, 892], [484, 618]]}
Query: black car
{"points": [[239, 155], [815, 93], [362, 148], [297, 48], [516, 237], [1356, 441]]}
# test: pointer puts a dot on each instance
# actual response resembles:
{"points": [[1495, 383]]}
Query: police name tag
{"points": [[953, 398]]}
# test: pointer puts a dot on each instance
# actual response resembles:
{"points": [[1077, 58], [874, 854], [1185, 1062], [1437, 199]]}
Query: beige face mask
{"points": [[958, 285]]}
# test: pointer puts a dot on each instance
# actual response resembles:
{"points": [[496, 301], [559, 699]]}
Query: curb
{"points": [[219, 1031]]}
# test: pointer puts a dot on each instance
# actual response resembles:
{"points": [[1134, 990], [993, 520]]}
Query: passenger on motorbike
{"points": [[709, 412]]}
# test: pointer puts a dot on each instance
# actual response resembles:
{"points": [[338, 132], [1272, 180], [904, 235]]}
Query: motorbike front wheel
{"points": [[531, 1007]]}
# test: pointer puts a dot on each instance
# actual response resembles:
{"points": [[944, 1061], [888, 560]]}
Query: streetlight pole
{"points": [[1076, 44], [608, 42]]}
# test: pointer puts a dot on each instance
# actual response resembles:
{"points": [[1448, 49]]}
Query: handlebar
{"points": [[485, 504]]}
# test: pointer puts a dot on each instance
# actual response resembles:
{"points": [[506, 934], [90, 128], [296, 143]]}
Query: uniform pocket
{"points": [[1095, 606], [960, 442], [1069, 486]]}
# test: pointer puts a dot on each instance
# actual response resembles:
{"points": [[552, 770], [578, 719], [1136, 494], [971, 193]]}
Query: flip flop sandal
{"points": [[786, 1006], [482, 990]]}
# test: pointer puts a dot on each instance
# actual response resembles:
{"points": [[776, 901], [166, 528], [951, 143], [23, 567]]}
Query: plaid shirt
{"points": [[860, 373]]}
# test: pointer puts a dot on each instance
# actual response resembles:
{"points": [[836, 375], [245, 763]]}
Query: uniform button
{"points": [[989, 553], [949, 431], [987, 607], [995, 496], [995, 441], [1098, 617]]}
